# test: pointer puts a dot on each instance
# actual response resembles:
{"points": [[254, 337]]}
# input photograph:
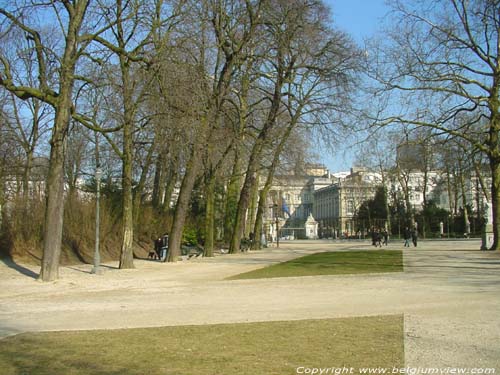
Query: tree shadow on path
{"points": [[22, 270]]}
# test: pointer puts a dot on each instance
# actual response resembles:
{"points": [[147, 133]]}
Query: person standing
{"points": [[407, 236], [414, 237]]}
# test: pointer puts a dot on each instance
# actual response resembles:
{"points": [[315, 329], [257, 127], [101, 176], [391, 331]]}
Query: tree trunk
{"points": [[55, 196], [127, 252], [254, 197], [54, 209], [27, 177], [139, 190], [495, 200], [233, 190], [259, 219], [210, 216], [169, 186], [464, 198], [239, 224], [157, 190], [482, 183], [182, 206], [269, 180], [403, 181], [251, 173], [386, 203]]}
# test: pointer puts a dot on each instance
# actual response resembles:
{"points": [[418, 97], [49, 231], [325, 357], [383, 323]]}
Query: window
{"points": [[350, 207]]}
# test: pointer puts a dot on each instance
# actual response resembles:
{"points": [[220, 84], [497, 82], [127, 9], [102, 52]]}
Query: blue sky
{"points": [[361, 19]]}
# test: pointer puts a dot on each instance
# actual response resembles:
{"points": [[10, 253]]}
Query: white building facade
{"points": [[333, 200]]}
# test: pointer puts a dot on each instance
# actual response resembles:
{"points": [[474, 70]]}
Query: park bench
{"points": [[189, 252]]}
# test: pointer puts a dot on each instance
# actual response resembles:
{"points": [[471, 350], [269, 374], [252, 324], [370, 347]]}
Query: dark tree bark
{"points": [[181, 209], [63, 104]]}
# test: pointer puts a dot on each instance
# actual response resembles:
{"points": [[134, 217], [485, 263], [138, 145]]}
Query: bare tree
{"points": [[234, 25], [306, 67], [132, 33], [58, 94], [441, 61]]}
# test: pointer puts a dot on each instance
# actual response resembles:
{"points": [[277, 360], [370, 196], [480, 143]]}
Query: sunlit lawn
{"points": [[229, 349], [332, 263]]}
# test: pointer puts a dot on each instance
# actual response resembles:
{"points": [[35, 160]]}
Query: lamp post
{"points": [[97, 257], [275, 206]]}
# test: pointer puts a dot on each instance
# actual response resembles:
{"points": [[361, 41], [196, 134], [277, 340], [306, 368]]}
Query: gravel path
{"points": [[449, 295]]}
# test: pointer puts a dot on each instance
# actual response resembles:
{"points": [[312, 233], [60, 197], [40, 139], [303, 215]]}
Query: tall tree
{"points": [[58, 94], [442, 59], [135, 27], [234, 25], [305, 66]]}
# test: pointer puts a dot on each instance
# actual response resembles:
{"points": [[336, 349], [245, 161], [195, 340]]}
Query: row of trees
{"points": [[437, 71], [208, 93], [201, 94], [419, 163]]}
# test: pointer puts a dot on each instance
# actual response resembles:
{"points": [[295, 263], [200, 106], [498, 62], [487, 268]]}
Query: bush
{"points": [[22, 229], [21, 235], [190, 236], [152, 223]]}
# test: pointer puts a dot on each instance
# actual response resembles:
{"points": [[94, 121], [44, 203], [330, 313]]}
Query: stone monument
{"points": [[311, 227]]}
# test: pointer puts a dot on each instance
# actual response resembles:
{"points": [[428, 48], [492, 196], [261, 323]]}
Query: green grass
{"points": [[332, 263], [269, 348]]}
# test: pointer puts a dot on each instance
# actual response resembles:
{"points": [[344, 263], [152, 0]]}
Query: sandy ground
{"points": [[449, 295]]}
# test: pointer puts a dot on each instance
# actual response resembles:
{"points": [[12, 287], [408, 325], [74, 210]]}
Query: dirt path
{"points": [[449, 295]]}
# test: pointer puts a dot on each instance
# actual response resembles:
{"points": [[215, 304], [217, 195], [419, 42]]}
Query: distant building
{"points": [[416, 184], [13, 180], [291, 199], [333, 200], [336, 206]]}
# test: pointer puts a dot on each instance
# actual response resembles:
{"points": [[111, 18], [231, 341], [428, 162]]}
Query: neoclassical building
{"points": [[335, 206], [290, 201], [333, 200]]}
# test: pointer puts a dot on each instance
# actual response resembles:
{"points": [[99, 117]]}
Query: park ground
{"points": [[449, 295]]}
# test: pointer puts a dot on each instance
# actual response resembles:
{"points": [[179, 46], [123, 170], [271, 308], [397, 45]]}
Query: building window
{"points": [[350, 206]]}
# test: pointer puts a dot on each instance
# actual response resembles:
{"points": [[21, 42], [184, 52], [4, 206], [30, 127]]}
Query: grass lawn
{"points": [[332, 263], [269, 348]]}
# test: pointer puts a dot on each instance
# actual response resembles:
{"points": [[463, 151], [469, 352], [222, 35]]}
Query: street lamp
{"points": [[275, 206], [97, 257]]}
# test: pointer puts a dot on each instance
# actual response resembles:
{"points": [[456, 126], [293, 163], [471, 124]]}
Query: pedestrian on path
{"points": [[385, 234], [407, 236], [414, 237]]}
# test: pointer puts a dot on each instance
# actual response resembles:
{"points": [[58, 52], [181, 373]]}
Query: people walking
{"points": [[374, 236], [414, 237], [385, 234], [407, 236]]}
